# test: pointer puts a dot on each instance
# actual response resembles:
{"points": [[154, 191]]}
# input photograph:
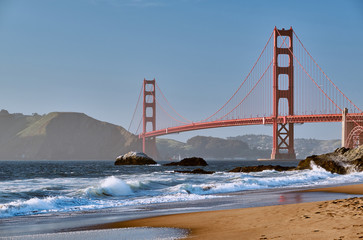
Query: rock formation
{"points": [[342, 161], [134, 158], [193, 161], [196, 171], [260, 168]]}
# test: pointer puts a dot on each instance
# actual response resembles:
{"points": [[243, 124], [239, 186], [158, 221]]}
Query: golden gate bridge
{"points": [[284, 87]]}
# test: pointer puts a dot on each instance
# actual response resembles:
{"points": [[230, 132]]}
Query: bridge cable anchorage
{"points": [[309, 74], [162, 94], [325, 74], [136, 107], [204, 120]]}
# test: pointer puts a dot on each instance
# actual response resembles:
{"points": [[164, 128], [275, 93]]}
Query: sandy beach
{"points": [[337, 219]]}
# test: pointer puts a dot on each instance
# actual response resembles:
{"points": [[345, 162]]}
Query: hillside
{"points": [[210, 148], [246, 146], [62, 136], [303, 147]]}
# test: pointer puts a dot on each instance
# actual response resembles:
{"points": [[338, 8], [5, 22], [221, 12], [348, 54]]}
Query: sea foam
{"points": [[269, 180], [110, 186], [79, 194]]}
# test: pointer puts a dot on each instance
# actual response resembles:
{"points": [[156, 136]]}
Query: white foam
{"points": [[111, 186], [271, 179], [77, 194], [68, 204], [31, 206]]}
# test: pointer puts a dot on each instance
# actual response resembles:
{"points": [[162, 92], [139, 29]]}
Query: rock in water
{"points": [[193, 161], [134, 158], [260, 168], [196, 171], [341, 161]]}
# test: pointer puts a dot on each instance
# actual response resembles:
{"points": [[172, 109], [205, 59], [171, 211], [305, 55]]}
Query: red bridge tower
{"points": [[149, 118], [283, 133]]}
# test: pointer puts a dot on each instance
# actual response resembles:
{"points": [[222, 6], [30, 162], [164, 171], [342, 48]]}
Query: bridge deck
{"points": [[255, 121]]}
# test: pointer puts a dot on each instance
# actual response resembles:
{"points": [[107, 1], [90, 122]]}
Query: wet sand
{"points": [[350, 189], [337, 219], [109, 234]]}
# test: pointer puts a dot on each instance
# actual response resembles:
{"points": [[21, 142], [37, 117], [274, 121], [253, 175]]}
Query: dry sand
{"points": [[339, 219]]}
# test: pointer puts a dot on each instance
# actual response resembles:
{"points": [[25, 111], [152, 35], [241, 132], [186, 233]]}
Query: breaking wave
{"points": [[79, 194]]}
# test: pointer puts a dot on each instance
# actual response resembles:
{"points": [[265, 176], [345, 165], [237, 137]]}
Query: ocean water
{"points": [[47, 187]]}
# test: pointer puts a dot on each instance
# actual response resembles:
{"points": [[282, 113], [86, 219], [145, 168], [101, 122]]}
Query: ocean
{"points": [[30, 188]]}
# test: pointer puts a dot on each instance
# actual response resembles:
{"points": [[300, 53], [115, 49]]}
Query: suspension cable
{"points": [[325, 74], [308, 73], [242, 82], [165, 110], [162, 94], [138, 127], [248, 92], [137, 104]]}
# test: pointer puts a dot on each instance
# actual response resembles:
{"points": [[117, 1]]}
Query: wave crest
{"points": [[110, 186]]}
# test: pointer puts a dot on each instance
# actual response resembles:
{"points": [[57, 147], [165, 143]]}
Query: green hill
{"points": [[62, 136]]}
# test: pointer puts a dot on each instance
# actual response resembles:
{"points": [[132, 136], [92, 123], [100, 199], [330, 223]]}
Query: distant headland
{"points": [[76, 136]]}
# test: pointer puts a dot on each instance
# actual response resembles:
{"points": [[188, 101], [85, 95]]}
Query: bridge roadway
{"points": [[255, 121]]}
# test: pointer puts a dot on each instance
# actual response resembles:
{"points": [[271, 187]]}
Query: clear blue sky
{"points": [[91, 55]]}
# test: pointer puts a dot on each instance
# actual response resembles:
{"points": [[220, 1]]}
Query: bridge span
{"points": [[285, 86]]}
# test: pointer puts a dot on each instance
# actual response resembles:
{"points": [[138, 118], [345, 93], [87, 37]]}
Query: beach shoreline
{"points": [[333, 219], [264, 205]]}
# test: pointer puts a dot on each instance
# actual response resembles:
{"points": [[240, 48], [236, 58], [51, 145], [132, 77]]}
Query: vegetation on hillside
{"points": [[62, 136]]}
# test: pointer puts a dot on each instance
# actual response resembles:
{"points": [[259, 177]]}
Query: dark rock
{"points": [[341, 150], [196, 171], [341, 161], [193, 161], [260, 168], [134, 158], [323, 161], [358, 163]]}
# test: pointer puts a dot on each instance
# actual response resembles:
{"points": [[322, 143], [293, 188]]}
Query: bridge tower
{"points": [[283, 133], [149, 118]]}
